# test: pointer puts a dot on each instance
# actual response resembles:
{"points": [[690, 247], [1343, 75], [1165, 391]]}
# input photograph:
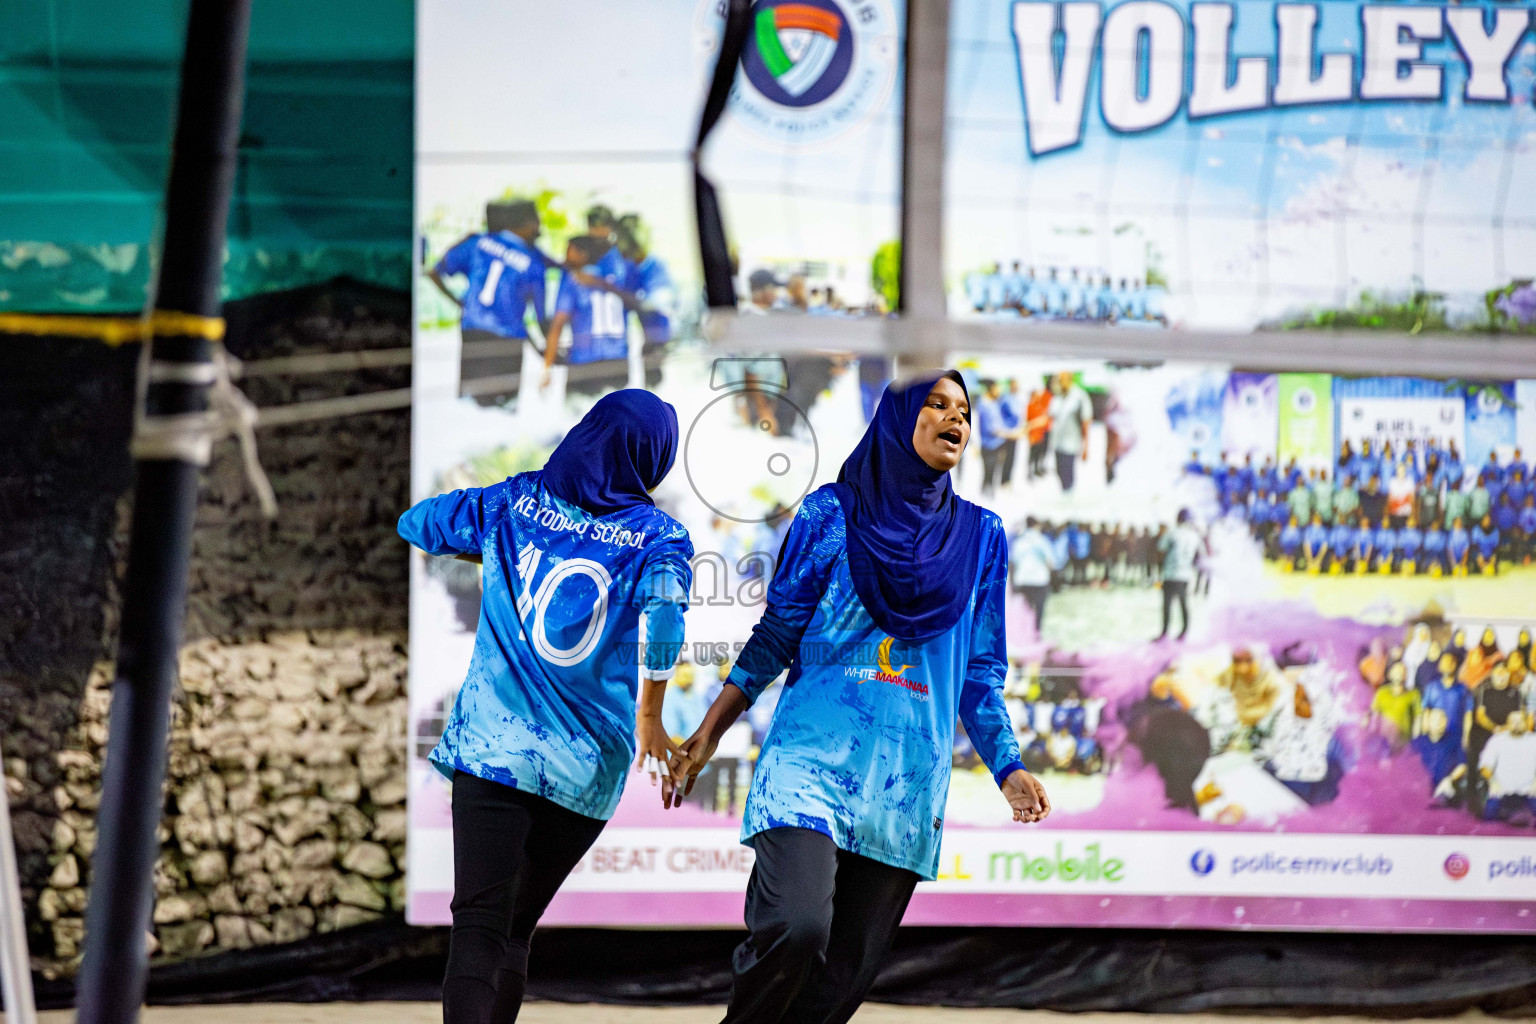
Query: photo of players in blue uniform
{"points": [[608, 289], [1430, 517]]}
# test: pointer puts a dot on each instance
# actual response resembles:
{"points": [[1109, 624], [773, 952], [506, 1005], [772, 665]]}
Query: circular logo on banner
{"points": [[1457, 866], [810, 69], [1202, 862], [1304, 400]]}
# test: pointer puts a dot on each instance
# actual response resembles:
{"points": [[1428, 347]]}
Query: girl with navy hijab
{"points": [[887, 609], [544, 726]]}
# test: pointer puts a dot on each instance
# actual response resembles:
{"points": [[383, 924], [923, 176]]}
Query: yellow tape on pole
{"points": [[114, 330]]}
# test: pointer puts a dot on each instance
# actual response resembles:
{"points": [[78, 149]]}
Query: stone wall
{"points": [[284, 810]]}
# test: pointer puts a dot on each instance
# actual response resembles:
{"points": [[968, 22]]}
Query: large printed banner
{"points": [[1281, 676], [1236, 165]]}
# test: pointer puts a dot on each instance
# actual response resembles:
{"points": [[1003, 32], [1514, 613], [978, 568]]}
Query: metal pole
{"points": [[922, 185], [15, 965], [172, 438]]}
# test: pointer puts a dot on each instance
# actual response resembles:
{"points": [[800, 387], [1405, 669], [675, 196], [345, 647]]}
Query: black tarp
{"points": [[1026, 968]]}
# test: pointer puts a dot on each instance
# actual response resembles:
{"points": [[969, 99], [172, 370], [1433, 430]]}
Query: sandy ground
{"points": [[563, 1013]]}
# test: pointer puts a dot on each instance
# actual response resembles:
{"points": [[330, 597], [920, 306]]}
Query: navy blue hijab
{"points": [[622, 448], [911, 539]]}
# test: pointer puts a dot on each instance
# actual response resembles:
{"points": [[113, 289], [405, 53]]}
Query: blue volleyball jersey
{"points": [[1340, 538], [1434, 543], [599, 321], [1316, 537], [1081, 541], [1365, 541], [548, 704], [1458, 543], [1455, 700], [1409, 540], [650, 282], [1505, 516], [506, 276], [613, 266], [861, 744], [1290, 538], [1486, 541]]}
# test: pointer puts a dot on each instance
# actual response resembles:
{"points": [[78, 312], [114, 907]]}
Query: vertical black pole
{"points": [[171, 443]]}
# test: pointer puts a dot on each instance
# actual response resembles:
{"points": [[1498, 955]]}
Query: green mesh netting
{"points": [[87, 91]]}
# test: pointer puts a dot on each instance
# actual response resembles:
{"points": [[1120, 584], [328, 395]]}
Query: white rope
{"points": [[189, 437]]}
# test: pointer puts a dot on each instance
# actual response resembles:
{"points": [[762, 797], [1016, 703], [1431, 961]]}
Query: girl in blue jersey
{"points": [[1290, 542], [1458, 545], [1434, 548], [887, 609], [1385, 542], [543, 730], [1364, 549], [1485, 544], [1409, 540]]}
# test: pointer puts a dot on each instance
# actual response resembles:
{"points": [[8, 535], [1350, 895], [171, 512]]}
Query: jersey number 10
{"points": [[607, 315], [537, 601]]}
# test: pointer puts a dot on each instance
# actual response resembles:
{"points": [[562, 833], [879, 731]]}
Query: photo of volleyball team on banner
{"points": [[1414, 511]]}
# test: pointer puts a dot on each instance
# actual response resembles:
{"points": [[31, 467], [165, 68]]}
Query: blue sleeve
{"points": [[457, 259], [804, 565], [455, 523], [982, 711], [657, 278], [663, 593], [567, 294]]}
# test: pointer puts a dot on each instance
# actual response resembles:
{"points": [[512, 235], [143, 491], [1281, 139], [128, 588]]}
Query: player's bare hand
{"points": [[1026, 795], [653, 755], [690, 759]]}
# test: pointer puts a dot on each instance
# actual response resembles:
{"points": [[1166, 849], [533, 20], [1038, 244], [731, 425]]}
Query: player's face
{"points": [[942, 429]]}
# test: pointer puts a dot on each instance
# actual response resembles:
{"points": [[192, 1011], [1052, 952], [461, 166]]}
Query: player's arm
{"points": [[1483, 720], [566, 302], [1087, 424], [793, 597], [450, 264], [442, 286], [630, 299], [534, 290], [664, 599], [454, 523], [982, 709]]}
